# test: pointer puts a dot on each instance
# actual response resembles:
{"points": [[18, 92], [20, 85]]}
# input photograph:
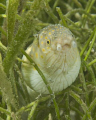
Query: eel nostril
{"points": [[59, 47]]}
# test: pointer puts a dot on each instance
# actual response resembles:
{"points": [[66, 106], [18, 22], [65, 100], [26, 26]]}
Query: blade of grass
{"points": [[2, 6], [92, 62], [6, 88], [79, 10], [50, 12], [61, 16], [77, 3], [87, 9], [87, 116], [87, 43], [3, 31], [3, 15], [5, 111], [46, 83], [77, 111], [9, 109], [11, 17], [82, 78], [27, 27], [90, 71], [24, 108], [55, 4], [93, 41], [92, 105], [80, 101], [88, 112], [33, 110]]}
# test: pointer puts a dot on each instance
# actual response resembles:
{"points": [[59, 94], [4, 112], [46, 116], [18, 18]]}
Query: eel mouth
{"points": [[66, 46]]}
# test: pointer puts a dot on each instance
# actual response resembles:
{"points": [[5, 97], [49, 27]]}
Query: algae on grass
{"points": [[19, 21]]}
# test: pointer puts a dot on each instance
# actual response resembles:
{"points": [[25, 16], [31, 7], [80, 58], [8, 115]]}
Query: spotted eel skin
{"points": [[56, 54]]}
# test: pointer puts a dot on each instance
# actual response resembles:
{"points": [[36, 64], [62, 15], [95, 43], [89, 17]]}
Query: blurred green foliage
{"points": [[2, 11]]}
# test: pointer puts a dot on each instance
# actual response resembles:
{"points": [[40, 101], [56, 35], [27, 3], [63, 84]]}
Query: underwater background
{"points": [[20, 22]]}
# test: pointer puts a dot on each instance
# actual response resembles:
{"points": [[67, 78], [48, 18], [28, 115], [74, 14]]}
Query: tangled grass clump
{"points": [[19, 21]]}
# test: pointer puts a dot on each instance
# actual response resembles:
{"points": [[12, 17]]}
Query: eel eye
{"points": [[48, 41]]}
